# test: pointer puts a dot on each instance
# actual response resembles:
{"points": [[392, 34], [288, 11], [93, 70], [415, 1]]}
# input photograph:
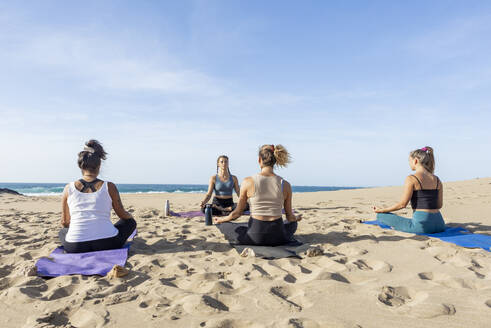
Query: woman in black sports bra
{"points": [[425, 192]]}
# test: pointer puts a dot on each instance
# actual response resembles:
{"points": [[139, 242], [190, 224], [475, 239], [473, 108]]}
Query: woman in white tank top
{"points": [[86, 208], [268, 194]]}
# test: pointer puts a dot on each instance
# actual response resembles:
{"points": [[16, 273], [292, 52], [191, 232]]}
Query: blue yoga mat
{"points": [[458, 236], [59, 263]]}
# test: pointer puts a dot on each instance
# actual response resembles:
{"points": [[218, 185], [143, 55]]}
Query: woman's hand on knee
{"points": [[294, 218], [221, 220], [379, 210]]}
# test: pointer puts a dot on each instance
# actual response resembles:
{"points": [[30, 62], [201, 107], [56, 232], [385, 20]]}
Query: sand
{"points": [[184, 274]]}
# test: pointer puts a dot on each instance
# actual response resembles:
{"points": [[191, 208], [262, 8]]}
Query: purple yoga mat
{"points": [[192, 214], [60, 263]]}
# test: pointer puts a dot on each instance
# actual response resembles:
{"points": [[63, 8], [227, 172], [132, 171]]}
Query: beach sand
{"points": [[184, 274]]}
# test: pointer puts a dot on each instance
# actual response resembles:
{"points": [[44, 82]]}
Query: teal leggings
{"points": [[422, 222]]}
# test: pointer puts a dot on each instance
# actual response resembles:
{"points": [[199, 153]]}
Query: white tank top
{"points": [[90, 215]]}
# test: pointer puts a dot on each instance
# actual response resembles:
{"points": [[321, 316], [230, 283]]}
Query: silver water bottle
{"points": [[167, 208]]}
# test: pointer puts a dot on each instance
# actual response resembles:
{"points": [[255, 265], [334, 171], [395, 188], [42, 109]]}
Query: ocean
{"points": [[40, 189]]}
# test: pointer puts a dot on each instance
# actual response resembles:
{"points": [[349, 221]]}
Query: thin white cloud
{"points": [[106, 64], [457, 38]]}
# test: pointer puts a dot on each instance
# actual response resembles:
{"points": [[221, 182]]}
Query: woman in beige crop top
{"points": [[267, 192]]}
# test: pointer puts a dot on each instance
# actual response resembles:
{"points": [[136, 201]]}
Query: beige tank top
{"points": [[268, 196]]}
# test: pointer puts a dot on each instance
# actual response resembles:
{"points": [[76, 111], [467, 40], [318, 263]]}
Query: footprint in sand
{"points": [[448, 281], [4, 283], [488, 303], [326, 275], [194, 304], [26, 256], [49, 319], [428, 311], [5, 270], [301, 323], [33, 288], [304, 270], [370, 265], [257, 272], [93, 318], [59, 292], [290, 278], [452, 256], [229, 261], [426, 275], [362, 265], [119, 298], [291, 296], [283, 293], [478, 269], [229, 323], [395, 296], [158, 263]]}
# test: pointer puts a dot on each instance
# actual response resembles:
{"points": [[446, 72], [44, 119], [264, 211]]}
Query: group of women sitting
{"points": [[87, 202]]}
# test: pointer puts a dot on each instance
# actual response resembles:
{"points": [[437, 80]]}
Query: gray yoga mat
{"points": [[292, 249]]}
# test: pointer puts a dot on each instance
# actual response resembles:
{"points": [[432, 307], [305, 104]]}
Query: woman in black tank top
{"points": [[425, 192]]}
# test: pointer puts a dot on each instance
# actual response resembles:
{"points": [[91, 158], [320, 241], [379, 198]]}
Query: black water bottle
{"points": [[208, 216]]}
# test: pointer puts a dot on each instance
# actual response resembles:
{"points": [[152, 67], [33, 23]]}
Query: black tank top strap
{"points": [[437, 182], [87, 184], [420, 185]]}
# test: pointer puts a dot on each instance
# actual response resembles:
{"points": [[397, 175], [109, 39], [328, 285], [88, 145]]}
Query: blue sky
{"points": [[167, 86]]}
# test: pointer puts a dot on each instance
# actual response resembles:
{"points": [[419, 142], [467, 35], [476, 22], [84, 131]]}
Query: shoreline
{"points": [[335, 188], [188, 192], [179, 193]]}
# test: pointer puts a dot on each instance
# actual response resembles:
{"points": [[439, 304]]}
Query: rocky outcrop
{"points": [[9, 191]]}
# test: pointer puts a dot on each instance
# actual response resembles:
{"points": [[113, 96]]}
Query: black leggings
{"points": [[260, 233], [125, 229], [224, 203]]}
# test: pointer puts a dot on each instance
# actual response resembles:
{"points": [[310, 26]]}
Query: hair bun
{"points": [[97, 148], [90, 158]]}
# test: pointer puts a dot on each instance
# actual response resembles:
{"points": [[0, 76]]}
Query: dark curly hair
{"points": [[90, 158]]}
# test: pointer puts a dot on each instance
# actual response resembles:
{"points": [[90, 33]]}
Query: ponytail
{"points": [[425, 157], [272, 155]]}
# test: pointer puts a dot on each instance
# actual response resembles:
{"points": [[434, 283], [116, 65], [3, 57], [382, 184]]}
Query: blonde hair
{"points": [[425, 157], [272, 155]]}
